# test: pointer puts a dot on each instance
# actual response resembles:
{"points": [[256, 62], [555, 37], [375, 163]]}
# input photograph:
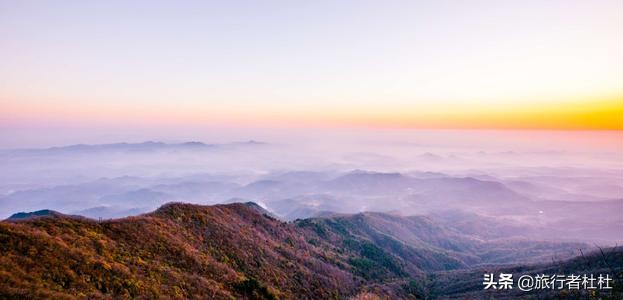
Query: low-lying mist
{"points": [[496, 184]]}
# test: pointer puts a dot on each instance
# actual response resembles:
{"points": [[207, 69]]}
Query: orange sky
{"points": [[485, 64], [596, 115]]}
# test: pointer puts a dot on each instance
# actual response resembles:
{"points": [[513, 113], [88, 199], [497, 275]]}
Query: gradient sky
{"points": [[98, 66]]}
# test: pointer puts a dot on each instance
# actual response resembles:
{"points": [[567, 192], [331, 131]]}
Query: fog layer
{"points": [[538, 185]]}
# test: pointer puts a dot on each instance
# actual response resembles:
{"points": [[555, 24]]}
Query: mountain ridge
{"points": [[145, 146], [222, 251]]}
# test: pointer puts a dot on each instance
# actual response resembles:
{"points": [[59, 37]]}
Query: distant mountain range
{"points": [[304, 194], [240, 251], [129, 147]]}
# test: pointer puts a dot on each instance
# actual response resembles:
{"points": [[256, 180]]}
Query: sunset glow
{"points": [[411, 64]]}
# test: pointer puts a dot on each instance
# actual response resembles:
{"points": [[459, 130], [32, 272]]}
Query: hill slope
{"points": [[240, 251], [179, 250]]}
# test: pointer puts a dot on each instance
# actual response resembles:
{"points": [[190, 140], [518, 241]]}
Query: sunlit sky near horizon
{"points": [[106, 67]]}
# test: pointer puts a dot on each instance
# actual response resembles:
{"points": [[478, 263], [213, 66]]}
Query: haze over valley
{"points": [[531, 192]]}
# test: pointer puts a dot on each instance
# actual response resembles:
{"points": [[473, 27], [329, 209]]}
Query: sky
{"points": [[72, 69]]}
